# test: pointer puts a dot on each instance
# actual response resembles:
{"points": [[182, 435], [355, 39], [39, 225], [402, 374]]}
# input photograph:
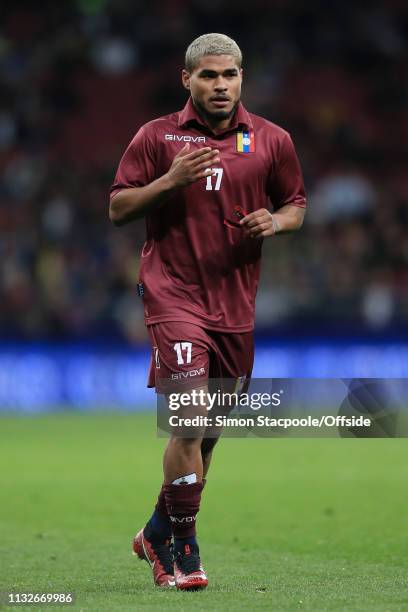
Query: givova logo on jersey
{"points": [[184, 138]]}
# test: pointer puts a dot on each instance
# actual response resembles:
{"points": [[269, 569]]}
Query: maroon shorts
{"points": [[187, 356]]}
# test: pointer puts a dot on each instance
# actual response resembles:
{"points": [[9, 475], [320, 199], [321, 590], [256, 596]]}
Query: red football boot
{"points": [[188, 571], [158, 556]]}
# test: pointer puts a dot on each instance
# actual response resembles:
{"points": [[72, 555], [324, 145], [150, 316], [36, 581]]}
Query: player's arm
{"points": [[262, 223], [186, 168], [287, 193]]}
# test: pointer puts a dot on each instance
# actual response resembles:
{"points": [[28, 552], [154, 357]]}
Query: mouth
{"points": [[220, 101]]}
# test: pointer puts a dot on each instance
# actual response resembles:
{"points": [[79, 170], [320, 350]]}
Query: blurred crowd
{"points": [[77, 80]]}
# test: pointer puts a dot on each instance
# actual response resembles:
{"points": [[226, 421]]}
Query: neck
{"points": [[217, 126]]}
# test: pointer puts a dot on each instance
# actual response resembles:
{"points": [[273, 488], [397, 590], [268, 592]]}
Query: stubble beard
{"points": [[216, 116]]}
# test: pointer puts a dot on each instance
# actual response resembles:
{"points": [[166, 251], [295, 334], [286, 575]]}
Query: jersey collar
{"points": [[189, 116]]}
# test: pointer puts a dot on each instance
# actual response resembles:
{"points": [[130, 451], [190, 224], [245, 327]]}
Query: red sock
{"points": [[183, 504]]}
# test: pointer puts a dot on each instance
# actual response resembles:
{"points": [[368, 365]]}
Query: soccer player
{"points": [[204, 178]]}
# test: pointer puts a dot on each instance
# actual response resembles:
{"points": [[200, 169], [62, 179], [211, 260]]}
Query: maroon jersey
{"points": [[197, 265]]}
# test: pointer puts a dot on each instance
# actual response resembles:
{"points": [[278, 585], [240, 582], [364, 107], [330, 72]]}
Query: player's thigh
{"points": [[180, 356], [230, 373]]}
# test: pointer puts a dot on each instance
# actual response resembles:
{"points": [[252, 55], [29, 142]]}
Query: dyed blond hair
{"points": [[211, 44]]}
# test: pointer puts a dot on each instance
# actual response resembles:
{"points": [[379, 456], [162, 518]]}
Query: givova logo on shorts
{"points": [[189, 374]]}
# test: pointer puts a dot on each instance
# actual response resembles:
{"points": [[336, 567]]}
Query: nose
{"points": [[220, 84]]}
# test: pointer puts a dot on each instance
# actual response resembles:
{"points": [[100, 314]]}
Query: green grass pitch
{"points": [[286, 524]]}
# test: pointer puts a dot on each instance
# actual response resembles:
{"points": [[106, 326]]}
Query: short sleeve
{"points": [[285, 185], [137, 167]]}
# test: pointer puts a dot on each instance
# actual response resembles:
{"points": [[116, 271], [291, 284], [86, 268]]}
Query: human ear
{"points": [[185, 79]]}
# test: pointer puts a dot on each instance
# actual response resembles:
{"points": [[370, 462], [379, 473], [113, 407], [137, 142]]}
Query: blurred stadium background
{"points": [[77, 80]]}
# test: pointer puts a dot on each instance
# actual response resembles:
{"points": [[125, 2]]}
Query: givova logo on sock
{"points": [[183, 519]]}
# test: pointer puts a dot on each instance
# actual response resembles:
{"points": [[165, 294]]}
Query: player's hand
{"points": [[260, 224], [188, 168]]}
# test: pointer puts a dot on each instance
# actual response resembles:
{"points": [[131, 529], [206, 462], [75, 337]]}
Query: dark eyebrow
{"points": [[214, 73]]}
